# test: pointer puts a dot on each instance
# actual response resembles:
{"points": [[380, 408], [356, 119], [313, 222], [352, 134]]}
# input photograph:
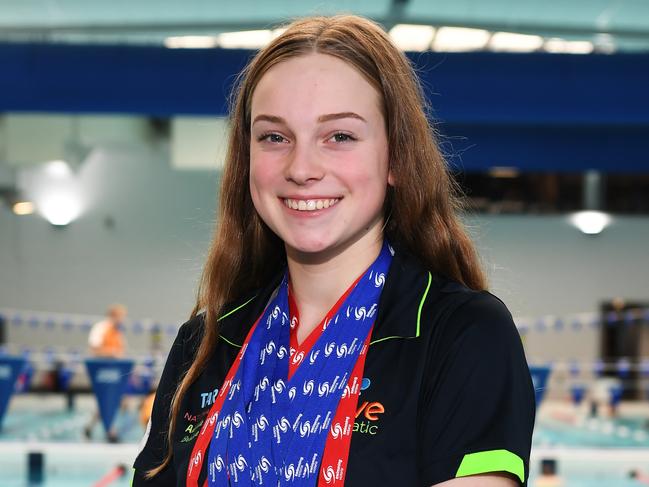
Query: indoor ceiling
{"points": [[611, 25]]}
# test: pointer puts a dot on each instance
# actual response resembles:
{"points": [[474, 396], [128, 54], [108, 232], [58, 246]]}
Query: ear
{"points": [[390, 178]]}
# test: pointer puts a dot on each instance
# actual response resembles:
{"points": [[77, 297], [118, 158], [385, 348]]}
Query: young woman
{"points": [[342, 334]]}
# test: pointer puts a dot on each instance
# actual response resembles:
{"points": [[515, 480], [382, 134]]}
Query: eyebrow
{"points": [[322, 118]]}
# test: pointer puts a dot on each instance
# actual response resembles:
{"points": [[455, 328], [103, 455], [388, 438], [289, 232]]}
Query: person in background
{"points": [[549, 476], [106, 340], [639, 476], [145, 409]]}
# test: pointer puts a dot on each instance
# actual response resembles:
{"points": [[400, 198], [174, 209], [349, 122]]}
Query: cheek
{"points": [[261, 176], [264, 181], [256, 187], [373, 174]]}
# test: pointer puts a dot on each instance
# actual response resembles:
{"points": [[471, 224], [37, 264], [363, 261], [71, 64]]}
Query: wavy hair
{"points": [[421, 208]]}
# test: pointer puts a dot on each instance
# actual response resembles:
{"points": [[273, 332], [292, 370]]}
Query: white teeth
{"points": [[309, 205]]}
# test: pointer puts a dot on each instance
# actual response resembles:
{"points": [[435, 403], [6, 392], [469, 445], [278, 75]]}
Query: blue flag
{"points": [[109, 378], [10, 368], [539, 379]]}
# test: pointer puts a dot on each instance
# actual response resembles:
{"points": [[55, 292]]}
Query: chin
{"points": [[309, 246]]}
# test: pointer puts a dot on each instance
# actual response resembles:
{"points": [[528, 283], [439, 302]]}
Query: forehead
{"points": [[314, 84]]}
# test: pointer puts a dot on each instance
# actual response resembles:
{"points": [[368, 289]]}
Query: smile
{"points": [[309, 205]]}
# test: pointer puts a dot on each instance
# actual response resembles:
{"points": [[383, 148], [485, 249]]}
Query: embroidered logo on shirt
{"points": [[368, 412]]}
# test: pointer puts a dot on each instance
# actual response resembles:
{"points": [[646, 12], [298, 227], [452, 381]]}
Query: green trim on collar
{"points": [[229, 342], [236, 309], [387, 338], [417, 331], [492, 461], [421, 303], [232, 312]]}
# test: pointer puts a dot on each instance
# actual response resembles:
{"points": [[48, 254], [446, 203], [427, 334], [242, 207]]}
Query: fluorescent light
{"points": [[605, 43], [278, 32], [509, 41], [23, 208], [247, 39], [568, 47], [591, 222], [191, 42], [457, 39], [57, 169], [412, 37], [60, 208]]}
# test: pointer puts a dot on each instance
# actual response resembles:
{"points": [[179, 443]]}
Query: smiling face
{"points": [[319, 156]]}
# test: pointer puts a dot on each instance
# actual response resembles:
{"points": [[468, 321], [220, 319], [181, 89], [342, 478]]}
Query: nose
{"points": [[303, 165]]}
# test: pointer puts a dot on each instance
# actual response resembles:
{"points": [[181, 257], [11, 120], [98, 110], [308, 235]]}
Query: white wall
{"points": [[541, 265], [149, 260]]}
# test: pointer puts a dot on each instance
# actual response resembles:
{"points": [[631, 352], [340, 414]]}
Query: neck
{"points": [[317, 283]]}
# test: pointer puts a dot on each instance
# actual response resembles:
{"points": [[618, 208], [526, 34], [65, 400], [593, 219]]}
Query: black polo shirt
{"points": [[446, 391]]}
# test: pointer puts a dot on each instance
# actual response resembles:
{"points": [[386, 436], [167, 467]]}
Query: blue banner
{"points": [[539, 379], [587, 112], [10, 368], [109, 378]]}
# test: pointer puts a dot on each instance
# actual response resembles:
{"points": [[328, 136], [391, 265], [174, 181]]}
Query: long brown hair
{"points": [[420, 209]]}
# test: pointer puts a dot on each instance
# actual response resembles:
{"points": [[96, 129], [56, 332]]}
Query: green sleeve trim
{"points": [[421, 303], [492, 461]]}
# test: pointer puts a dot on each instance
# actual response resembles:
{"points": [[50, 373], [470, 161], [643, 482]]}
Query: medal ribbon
{"points": [[265, 428]]}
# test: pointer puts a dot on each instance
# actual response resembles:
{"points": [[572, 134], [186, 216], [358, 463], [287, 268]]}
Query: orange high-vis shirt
{"points": [[106, 340]]}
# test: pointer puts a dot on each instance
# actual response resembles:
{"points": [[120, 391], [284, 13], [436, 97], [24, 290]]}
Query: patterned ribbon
{"points": [[267, 429]]}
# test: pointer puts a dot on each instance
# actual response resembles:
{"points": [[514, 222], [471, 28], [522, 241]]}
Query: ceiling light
{"points": [[604, 43], [191, 42], [248, 39], [278, 32], [509, 41], [591, 222], [568, 47], [457, 39], [57, 169], [409, 37], [23, 208], [60, 208]]}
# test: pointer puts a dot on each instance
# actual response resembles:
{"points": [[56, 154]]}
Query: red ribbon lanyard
{"points": [[336, 452], [200, 450]]}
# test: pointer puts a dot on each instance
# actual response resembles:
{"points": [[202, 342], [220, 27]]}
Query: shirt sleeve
{"points": [[478, 406], [96, 335], [155, 440]]}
